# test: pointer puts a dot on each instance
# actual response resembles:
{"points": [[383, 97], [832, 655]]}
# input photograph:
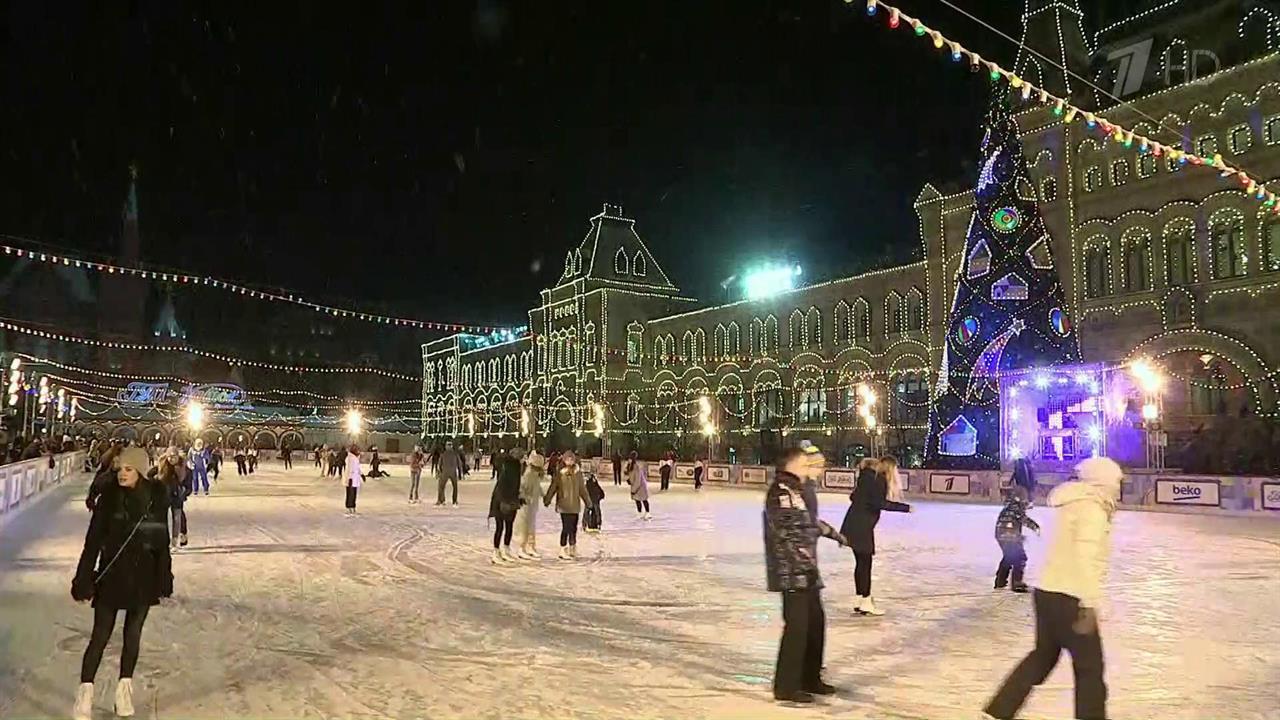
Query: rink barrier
{"points": [[22, 482]]}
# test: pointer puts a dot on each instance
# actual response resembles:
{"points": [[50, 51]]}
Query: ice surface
{"points": [[286, 609]]}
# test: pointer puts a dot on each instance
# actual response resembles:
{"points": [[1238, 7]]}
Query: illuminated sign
{"points": [[213, 395]]}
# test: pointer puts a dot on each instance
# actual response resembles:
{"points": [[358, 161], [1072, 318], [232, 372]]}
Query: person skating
{"points": [[177, 477], [699, 472], [527, 516], [870, 495], [451, 468], [617, 468], [593, 516], [251, 459], [198, 464], [665, 468], [125, 565], [569, 490], [435, 460], [1069, 593], [375, 464], [1009, 535], [241, 467], [416, 461], [353, 477], [334, 465], [503, 504], [215, 461], [791, 532], [286, 454], [639, 485], [315, 456]]}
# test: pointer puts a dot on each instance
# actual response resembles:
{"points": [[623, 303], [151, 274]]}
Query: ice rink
{"points": [[285, 609]]}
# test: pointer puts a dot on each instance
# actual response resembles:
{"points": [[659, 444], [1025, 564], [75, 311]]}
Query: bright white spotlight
{"points": [[354, 422], [769, 281], [195, 415]]}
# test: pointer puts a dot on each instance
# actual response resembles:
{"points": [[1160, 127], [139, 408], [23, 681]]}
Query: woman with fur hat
{"points": [[535, 470], [125, 565], [1070, 592]]}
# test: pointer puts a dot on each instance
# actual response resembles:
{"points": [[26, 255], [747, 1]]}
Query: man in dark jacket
{"points": [[617, 468], [791, 531]]}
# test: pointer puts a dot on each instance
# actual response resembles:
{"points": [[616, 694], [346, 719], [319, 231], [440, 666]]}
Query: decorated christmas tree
{"points": [[1009, 311]]}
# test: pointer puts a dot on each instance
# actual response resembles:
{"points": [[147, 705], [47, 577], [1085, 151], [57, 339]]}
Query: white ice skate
{"points": [[496, 558], [124, 698], [647, 517], [83, 709], [564, 554], [506, 554], [573, 551], [532, 552], [522, 555], [867, 606]]}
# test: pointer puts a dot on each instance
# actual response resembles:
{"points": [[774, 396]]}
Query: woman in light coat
{"points": [[639, 482], [535, 470], [353, 476]]}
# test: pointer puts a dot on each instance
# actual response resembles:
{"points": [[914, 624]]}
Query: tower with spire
{"points": [[123, 299], [1054, 53]]}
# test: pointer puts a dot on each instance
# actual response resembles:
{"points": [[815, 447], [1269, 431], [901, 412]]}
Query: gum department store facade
{"points": [[1159, 260]]}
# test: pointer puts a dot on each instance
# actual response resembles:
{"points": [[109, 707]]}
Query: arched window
{"points": [[1271, 246], [861, 320], [915, 309], [756, 336], [480, 376], [797, 333], [1180, 251], [577, 261], [811, 405], [635, 344], [633, 408], [1048, 190], [638, 266], [719, 341], [572, 347], [734, 344], [893, 313], [910, 399], [568, 264], [621, 264], [589, 349], [699, 346], [771, 334], [1097, 273], [814, 320], [840, 319], [659, 352], [688, 349], [1230, 256], [1092, 179], [1135, 243], [1120, 170]]}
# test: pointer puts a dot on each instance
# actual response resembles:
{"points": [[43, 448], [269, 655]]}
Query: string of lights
{"points": [[235, 289], [8, 324], [1063, 108]]}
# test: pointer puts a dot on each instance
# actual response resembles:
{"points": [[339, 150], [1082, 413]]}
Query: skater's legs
{"points": [[455, 489], [639, 506], [1016, 555], [351, 497], [508, 525], [646, 506], [415, 478], [1054, 614], [797, 608], [134, 619], [816, 641], [440, 483], [104, 621], [568, 522], [497, 532], [862, 573], [1086, 662]]}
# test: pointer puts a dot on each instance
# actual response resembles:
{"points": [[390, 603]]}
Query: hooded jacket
{"points": [[125, 562], [1076, 563], [569, 490]]}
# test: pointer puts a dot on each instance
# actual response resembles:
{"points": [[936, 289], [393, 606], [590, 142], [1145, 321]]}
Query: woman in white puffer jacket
{"points": [[1070, 591]]}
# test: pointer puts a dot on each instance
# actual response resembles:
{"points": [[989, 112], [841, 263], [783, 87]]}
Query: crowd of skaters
{"points": [[138, 496]]}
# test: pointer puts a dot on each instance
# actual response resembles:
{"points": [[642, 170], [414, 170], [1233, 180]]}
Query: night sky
{"points": [[435, 155]]}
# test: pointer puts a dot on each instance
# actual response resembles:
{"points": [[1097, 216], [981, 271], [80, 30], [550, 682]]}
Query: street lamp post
{"points": [[1151, 382]]}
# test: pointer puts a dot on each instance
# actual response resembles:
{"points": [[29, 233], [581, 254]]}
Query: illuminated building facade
{"points": [[1157, 259]]}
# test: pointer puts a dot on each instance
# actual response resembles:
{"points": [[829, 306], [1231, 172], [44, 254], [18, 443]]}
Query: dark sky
{"points": [[428, 154]]}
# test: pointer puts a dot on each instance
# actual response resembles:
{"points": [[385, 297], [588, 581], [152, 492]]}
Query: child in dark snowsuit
{"points": [[591, 517], [1009, 534]]}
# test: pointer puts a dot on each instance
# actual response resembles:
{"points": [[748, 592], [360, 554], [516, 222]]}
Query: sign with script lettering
{"points": [[213, 395]]}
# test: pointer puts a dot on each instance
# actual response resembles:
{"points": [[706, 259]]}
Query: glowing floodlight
{"points": [[354, 422], [768, 281]]}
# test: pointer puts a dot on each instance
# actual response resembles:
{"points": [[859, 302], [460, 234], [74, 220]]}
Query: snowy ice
{"points": [[285, 609]]}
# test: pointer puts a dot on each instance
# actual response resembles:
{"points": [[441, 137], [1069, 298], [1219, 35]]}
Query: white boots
{"points": [[83, 709], [867, 606], [502, 556], [124, 698]]}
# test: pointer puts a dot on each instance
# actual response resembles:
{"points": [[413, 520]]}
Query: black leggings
{"points": [[104, 622], [506, 523], [642, 504], [351, 497], [568, 529], [862, 573]]}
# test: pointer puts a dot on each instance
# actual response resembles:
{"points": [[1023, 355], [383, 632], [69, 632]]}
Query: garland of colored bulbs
{"points": [[234, 288], [1063, 108], [4, 325]]}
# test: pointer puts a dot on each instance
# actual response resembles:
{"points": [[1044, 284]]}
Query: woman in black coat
{"points": [[870, 495], [125, 565]]}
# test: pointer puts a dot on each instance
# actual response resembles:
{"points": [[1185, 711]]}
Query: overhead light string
{"points": [[1064, 108]]}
